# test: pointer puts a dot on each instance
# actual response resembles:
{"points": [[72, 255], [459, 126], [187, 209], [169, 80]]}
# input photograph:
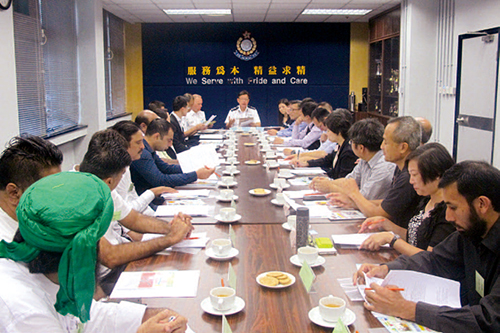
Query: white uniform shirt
{"points": [[127, 191], [195, 118], [236, 113], [27, 305], [8, 226]]}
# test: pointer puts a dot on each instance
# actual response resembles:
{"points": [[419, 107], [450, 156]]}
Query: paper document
{"points": [[298, 194], [198, 157], [351, 240], [346, 215], [210, 120], [186, 194], [308, 171], [191, 210], [157, 284], [217, 137], [300, 181], [196, 240]]}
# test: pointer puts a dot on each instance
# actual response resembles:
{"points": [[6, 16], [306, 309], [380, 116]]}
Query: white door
{"points": [[476, 97]]}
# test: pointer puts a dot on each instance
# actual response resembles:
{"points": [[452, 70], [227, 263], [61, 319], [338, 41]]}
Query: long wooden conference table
{"points": [[264, 245]]}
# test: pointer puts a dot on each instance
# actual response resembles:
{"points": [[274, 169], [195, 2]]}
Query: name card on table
{"points": [[231, 277], [307, 276]]}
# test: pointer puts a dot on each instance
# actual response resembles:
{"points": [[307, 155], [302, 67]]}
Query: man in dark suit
{"points": [[180, 109]]}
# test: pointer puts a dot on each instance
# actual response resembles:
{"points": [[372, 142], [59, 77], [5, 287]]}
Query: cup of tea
{"points": [[285, 173], [270, 154], [308, 254], [227, 214], [227, 180], [231, 168], [221, 246], [222, 298], [231, 160], [280, 198], [331, 308], [226, 194], [230, 152], [279, 182], [292, 221]]}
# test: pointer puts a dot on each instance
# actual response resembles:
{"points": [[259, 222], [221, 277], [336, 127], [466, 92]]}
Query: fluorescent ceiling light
{"points": [[336, 11], [197, 11]]}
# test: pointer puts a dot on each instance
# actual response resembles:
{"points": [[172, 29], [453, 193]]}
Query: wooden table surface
{"points": [[264, 246]]}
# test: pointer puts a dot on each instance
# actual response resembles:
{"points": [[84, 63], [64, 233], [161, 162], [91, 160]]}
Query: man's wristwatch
{"points": [[394, 239]]}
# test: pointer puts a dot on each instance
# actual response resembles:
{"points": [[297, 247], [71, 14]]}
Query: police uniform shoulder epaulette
{"points": [[251, 107], [234, 109]]}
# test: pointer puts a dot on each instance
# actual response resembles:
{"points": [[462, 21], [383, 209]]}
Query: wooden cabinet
{"points": [[383, 83]]}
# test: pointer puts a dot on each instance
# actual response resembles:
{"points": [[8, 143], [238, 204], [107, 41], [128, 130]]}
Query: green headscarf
{"points": [[68, 213]]}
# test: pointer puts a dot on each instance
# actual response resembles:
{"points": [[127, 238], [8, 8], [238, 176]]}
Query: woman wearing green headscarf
{"points": [[48, 284]]}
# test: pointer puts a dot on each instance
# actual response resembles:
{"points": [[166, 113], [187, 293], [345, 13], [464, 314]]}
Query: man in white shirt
{"points": [[23, 162], [47, 273], [243, 115], [196, 119]]}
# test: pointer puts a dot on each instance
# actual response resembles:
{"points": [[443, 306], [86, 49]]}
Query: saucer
{"points": [[249, 144], [271, 166], [280, 175], [276, 187], [252, 192], [221, 184], [276, 203], [239, 304], [250, 162], [279, 286], [233, 253], [348, 318], [226, 172], [229, 163], [219, 198], [237, 217], [286, 226], [295, 260]]}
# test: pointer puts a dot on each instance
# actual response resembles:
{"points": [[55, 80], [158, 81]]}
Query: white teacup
{"points": [[280, 198], [230, 153], [231, 159], [227, 214], [308, 254], [270, 154], [222, 298], [292, 221], [331, 308], [279, 182], [231, 168], [226, 194], [221, 246], [227, 180]]}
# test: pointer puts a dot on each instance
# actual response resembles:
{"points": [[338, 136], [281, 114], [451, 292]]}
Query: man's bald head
{"points": [[144, 118], [426, 129], [198, 103]]}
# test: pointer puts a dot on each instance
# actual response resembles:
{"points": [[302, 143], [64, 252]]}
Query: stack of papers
{"points": [[298, 194], [347, 215], [196, 240], [186, 194], [300, 181], [198, 157], [191, 210], [157, 284], [308, 171], [214, 137]]}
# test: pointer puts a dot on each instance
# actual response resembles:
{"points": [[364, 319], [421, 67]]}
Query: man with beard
{"points": [[470, 256]]}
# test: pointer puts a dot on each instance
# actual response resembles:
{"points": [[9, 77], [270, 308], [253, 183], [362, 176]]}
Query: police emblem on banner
{"points": [[246, 47]]}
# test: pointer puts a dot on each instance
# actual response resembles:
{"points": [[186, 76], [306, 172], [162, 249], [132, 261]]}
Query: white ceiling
{"points": [[151, 11]]}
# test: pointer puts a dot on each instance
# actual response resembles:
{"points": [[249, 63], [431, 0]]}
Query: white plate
{"points": [[221, 184], [272, 185], [260, 195], [237, 217], [239, 304], [279, 286], [245, 134], [232, 253], [280, 175], [286, 226], [271, 166], [249, 144], [250, 163], [226, 172], [219, 198], [276, 203], [229, 163], [295, 260], [348, 318]]}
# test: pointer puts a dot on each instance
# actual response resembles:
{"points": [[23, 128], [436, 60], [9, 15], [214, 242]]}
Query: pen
{"points": [[393, 289], [172, 318], [373, 222], [222, 281], [190, 238]]}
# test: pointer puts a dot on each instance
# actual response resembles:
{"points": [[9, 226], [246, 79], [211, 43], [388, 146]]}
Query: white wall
{"points": [[421, 94], [8, 91]]}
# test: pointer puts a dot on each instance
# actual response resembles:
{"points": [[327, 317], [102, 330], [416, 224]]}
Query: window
{"points": [[114, 55], [46, 66]]}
